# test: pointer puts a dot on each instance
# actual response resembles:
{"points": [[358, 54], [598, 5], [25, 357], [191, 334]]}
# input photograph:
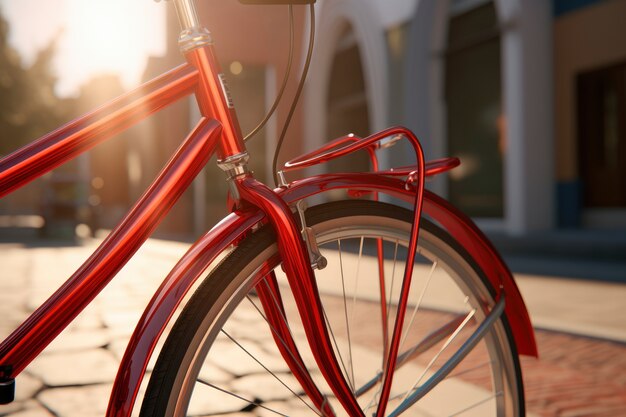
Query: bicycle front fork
{"points": [[297, 266]]}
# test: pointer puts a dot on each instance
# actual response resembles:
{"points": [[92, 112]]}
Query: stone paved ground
{"points": [[575, 376]]}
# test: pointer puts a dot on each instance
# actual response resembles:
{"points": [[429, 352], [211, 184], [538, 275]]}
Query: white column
{"points": [[527, 99]]}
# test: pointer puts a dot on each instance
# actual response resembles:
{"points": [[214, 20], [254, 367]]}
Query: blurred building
{"points": [[530, 96], [252, 43]]}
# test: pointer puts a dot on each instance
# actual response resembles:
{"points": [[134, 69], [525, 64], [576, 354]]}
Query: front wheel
{"points": [[222, 357]]}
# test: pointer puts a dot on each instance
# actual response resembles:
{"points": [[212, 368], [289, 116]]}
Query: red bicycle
{"points": [[350, 307]]}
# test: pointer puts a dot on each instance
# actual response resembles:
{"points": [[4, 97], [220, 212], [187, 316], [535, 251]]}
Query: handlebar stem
{"points": [[187, 15], [192, 35]]}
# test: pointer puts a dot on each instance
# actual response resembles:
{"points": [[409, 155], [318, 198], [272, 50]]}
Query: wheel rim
{"points": [[483, 385]]}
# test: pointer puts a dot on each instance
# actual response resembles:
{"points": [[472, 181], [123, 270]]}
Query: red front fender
{"points": [[211, 245], [165, 301], [457, 224], [465, 232]]}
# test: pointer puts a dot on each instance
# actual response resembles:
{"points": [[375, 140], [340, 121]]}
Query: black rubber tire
{"points": [[223, 282]]}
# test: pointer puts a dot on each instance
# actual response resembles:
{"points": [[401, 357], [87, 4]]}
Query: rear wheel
{"points": [[221, 356]]}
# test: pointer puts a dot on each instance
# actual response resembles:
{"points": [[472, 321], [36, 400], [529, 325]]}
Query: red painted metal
{"points": [[65, 143], [434, 167], [344, 146], [439, 166], [394, 344], [214, 100], [380, 259], [203, 76], [384, 313], [371, 151], [165, 301], [63, 306], [473, 240], [331, 146], [302, 282], [460, 227], [232, 228]]}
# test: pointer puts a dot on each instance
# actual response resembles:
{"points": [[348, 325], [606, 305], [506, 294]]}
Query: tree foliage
{"points": [[28, 105]]}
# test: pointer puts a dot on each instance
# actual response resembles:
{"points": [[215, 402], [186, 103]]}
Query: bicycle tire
{"points": [[196, 340]]}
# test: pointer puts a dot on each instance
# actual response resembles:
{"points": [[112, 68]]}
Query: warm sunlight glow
{"points": [[110, 36], [93, 36]]}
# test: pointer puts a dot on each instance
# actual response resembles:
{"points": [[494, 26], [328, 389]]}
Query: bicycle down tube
{"points": [[76, 137]]}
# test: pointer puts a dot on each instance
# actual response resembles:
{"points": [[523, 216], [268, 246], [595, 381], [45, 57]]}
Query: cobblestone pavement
{"points": [[575, 376]]}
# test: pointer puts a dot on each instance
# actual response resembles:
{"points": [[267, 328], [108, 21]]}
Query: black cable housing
{"points": [[294, 103]]}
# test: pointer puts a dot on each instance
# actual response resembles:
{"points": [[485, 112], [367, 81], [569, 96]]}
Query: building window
{"points": [[602, 136], [474, 116]]}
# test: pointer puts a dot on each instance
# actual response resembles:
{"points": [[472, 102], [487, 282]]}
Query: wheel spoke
{"points": [[463, 347], [429, 341], [419, 303], [469, 370], [476, 404], [393, 276], [294, 355], [354, 302], [276, 333], [414, 394], [208, 384], [272, 328], [334, 339], [373, 402], [451, 338], [347, 321], [273, 374]]}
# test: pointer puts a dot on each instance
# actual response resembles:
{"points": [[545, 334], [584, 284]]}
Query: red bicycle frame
{"points": [[30, 338], [218, 132]]}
